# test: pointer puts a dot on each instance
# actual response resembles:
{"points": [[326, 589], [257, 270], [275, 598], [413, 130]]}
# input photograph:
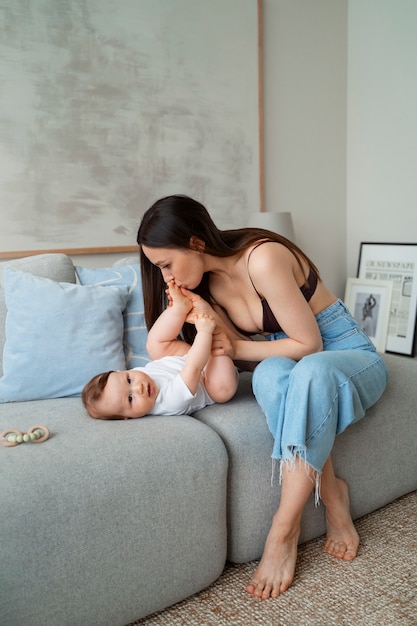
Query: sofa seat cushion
{"points": [[107, 521]]}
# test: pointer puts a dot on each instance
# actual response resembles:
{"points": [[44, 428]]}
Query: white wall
{"points": [[305, 47], [340, 102], [382, 124], [340, 124]]}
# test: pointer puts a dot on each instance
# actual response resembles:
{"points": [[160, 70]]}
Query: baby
{"points": [[180, 379]]}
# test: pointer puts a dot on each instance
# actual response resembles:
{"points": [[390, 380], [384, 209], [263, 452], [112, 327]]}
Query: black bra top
{"points": [[269, 321]]}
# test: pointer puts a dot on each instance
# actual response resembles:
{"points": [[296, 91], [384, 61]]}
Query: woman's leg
{"points": [[277, 566], [306, 404], [342, 540]]}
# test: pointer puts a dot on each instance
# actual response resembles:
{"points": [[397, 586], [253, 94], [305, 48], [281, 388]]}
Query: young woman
{"points": [[317, 374]]}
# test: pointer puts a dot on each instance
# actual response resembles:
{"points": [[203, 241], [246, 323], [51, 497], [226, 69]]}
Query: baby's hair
{"points": [[92, 393]]}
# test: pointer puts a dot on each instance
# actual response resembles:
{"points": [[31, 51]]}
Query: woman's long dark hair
{"points": [[171, 222]]}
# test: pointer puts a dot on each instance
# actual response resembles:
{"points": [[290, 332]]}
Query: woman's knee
{"points": [[312, 368], [270, 372]]}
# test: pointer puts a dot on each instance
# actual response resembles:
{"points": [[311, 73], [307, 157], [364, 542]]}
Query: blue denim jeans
{"points": [[308, 402]]}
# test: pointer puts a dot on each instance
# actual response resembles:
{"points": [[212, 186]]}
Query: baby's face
{"points": [[128, 394]]}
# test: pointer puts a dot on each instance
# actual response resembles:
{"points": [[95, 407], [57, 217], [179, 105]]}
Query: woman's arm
{"points": [[277, 276]]}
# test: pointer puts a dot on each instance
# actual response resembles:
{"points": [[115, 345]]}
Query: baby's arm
{"points": [[199, 352], [163, 336]]}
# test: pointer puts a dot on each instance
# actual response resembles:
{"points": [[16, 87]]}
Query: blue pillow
{"points": [[135, 333], [58, 336]]}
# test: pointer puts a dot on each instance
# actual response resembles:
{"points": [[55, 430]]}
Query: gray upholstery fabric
{"points": [[107, 521], [55, 266], [377, 456]]}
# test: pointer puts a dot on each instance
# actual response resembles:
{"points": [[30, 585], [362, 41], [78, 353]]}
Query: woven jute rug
{"points": [[378, 588]]}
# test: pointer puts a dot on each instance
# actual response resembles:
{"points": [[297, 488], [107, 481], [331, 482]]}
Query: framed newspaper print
{"points": [[369, 303], [397, 263]]}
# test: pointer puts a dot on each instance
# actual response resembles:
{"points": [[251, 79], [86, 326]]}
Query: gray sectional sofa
{"points": [[107, 522]]}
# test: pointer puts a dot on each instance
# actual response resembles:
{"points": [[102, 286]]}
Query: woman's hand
{"points": [[199, 304], [221, 344], [225, 337]]}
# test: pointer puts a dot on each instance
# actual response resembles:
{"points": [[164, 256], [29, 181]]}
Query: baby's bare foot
{"points": [[342, 540], [275, 572], [175, 291], [177, 297]]}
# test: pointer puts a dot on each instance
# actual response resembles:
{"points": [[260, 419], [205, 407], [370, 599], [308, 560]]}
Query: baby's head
{"points": [[120, 395]]}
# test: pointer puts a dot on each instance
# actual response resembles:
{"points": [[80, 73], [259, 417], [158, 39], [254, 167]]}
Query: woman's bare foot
{"points": [[275, 572], [342, 540]]}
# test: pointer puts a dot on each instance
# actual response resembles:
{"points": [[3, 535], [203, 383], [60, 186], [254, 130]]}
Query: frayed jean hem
{"points": [[289, 464]]}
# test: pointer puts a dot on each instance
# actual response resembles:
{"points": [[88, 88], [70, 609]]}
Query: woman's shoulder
{"points": [[272, 264], [265, 251]]}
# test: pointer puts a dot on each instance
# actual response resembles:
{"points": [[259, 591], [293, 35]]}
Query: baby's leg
{"points": [[220, 378]]}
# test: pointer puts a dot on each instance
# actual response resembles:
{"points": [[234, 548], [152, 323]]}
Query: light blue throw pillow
{"points": [[58, 336], [135, 333]]}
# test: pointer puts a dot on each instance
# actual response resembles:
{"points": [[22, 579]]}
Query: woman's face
{"points": [[184, 267]]}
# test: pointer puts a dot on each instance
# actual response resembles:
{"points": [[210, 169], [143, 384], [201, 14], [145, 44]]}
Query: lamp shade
{"points": [[280, 223]]}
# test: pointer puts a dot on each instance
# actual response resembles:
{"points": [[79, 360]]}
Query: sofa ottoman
{"points": [[106, 522]]}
